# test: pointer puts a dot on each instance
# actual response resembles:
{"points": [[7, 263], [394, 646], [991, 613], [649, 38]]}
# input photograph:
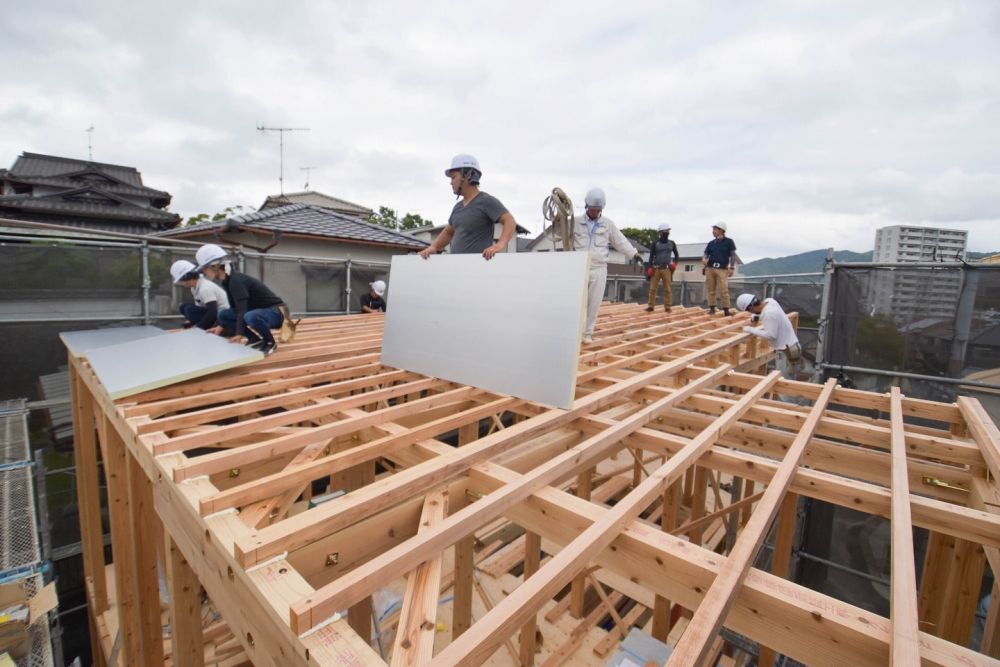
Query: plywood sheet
{"points": [[79, 342], [147, 363], [510, 325]]}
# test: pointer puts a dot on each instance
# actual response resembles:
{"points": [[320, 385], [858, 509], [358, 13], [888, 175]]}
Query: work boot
{"points": [[649, 309], [711, 310], [666, 309], [725, 311]]}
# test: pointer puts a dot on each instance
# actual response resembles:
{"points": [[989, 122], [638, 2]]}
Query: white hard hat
{"points": [[595, 198], [720, 225], [209, 254], [179, 269], [664, 227], [744, 301], [378, 287], [463, 161]]}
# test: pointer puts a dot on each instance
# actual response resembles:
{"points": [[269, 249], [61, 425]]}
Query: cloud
{"points": [[802, 124]]}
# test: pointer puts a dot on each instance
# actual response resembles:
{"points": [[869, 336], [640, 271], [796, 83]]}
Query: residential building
{"points": [[299, 234], [82, 193], [904, 295], [313, 198]]}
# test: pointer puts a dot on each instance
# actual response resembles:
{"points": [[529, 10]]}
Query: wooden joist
{"points": [[227, 463]]}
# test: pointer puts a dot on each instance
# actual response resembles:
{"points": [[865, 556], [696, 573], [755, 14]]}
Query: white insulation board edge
{"points": [[510, 325], [149, 363]]}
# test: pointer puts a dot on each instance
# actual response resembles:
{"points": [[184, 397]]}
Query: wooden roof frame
{"points": [[680, 388]]}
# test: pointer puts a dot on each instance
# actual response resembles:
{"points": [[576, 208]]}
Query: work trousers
{"points": [[192, 312], [717, 279], [595, 294], [259, 322], [667, 277]]}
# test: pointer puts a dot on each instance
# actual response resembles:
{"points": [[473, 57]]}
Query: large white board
{"points": [[148, 363], [510, 325], [79, 342]]}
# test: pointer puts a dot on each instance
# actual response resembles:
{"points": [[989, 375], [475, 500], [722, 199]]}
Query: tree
{"points": [[387, 217], [228, 212], [643, 236]]}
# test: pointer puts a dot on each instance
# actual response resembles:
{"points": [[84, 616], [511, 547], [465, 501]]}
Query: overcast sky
{"points": [[801, 124]]}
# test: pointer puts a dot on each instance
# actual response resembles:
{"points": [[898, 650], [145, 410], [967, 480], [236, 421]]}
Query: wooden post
{"points": [[88, 495], [187, 640], [698, 504], [532, 558], [360, 615], [116, 472], [965, 578], [578, 589], [668, 519], [782, 556], [461, 608], [934, 580], [145, 530]]}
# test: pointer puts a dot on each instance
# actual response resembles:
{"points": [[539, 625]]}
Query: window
{"points": [[688, 268]]}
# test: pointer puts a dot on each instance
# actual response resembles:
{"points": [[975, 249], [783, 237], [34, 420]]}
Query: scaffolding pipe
{"points": [[145, 282], [912, 376]]}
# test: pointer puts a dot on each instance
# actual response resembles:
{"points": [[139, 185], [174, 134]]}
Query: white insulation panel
{"points": [[510, 325]]}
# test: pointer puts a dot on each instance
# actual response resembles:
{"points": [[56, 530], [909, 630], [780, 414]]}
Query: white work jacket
{"points": [[598, 237], [775, 327]]}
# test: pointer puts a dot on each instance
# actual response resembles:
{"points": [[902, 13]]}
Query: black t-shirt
{"points": [[246, 293], [375, 303]]}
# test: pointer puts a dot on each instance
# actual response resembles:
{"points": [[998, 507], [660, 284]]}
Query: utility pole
{"points": [[307, 170], [281, 148], [90, 143]]}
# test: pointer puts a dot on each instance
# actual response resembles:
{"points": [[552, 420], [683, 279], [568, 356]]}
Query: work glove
{"points": [[673, 266], [747, 329]]}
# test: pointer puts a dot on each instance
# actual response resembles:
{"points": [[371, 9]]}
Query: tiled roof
{"points": [[68, 181], [308, 221], [314, 198], [36, 164], [122, 210]]}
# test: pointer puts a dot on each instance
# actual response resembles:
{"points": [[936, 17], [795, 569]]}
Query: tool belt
{"points": [[793, 352], [287, 332]]}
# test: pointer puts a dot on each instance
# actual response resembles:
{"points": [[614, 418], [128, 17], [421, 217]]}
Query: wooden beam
{"points": [[353, 585], [187, 641], [781, 557], [477, 644], [145, 526], [532, 560], [418, 621], [905, 649], [695, 643], [302, 529], [983, 430], [116, 473]]}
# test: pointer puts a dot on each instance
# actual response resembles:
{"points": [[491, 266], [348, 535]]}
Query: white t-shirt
{"points": [[205, 291], [775, 327]]}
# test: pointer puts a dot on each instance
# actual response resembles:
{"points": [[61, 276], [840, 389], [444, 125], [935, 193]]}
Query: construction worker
{"points": [[470, 226], [776, 329], [373, 301], [596, 234], [663, 258], [719, 264], [255, 308], [209, 298]]}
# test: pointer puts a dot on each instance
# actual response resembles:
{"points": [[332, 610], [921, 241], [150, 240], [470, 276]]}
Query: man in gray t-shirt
{"points": [[470, 226]]}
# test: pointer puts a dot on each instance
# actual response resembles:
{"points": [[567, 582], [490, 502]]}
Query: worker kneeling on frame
{"points": [[776, 329]]}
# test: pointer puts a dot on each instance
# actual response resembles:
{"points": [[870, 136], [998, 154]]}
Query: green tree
{"points": [[643, 236], [387, 217], [228, 212]]}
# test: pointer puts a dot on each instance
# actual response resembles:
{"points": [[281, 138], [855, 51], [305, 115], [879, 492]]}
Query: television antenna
{"points": [[307, 170], [90, 143], [281, 148]]}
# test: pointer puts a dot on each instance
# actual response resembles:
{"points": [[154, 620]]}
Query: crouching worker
{"points": [[776, 329], [209, 298], [254, 309], [374, 301]]}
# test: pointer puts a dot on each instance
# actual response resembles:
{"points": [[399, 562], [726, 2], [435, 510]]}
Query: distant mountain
{"points": [[805, 262]]}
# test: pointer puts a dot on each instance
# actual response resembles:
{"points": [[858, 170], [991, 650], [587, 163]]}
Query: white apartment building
{"points": [[903, 294]]}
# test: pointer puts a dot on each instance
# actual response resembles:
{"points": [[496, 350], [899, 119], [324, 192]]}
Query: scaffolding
{"points": [[20, 549]]}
